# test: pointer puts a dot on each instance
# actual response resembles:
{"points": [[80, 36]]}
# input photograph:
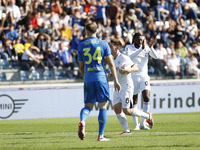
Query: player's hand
{"points": [[143, 43], [151, 42], [124, 71], [117, 86]]}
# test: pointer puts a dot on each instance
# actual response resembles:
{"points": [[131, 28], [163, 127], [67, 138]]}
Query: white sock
{"points": [[139, 113], [146, 106], [135, 118], [101, 136], [123, 120]]}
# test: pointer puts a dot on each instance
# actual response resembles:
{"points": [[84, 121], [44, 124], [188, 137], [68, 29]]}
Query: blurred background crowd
{"points": [[43, 35]]}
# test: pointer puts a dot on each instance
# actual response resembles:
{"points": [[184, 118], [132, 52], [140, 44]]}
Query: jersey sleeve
{"points": [[152, 52], [132, 53], [107, 49]]}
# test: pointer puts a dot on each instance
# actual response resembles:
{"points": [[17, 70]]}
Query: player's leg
{"points": [[145, 88], [135, 112], [85, 111], [102, 118], [127, 106], [102, 94], [136, 82], [139, 113], [135, 118], [146, 107], [89, 99], [122, 118]]}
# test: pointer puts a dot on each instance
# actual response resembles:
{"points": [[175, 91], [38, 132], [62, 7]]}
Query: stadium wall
{"points": [[66, 100]]}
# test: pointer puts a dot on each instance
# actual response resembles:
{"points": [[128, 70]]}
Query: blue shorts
{"points": [[96, 92]]}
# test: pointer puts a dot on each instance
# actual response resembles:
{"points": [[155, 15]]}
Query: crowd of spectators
{"points": [[46, 34]]}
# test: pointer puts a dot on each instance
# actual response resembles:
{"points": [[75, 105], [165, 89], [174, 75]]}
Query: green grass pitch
{"points": [[171, 131]]}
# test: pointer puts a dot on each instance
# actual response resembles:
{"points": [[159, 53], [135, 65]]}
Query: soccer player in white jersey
{"points": [[123, 100], [139, 53]]}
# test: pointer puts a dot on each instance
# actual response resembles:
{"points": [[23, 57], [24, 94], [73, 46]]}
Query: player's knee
{"points": [[117, 110], [127, 111], [146, 95], [135, 102], [146, 98], [135, 99]]}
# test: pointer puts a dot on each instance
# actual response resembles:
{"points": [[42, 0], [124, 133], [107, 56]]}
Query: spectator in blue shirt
{"points": [[12, 34], [176, 11], [76, 18], [100, 14], [164, 12], [65, 57]]}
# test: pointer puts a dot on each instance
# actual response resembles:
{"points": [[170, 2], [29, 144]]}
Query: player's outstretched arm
{"points": [[153, 52], [114, 73], [132, 54]]}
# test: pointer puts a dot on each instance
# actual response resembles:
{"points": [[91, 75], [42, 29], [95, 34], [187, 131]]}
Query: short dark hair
{"points": [[91, 27], [136, 35]]}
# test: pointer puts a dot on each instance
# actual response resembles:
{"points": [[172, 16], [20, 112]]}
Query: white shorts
{"points": [[141, 83], [124, 97]]}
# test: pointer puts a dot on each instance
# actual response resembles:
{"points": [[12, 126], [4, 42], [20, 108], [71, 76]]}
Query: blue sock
{"points": [[85, 111], [102, 120]]}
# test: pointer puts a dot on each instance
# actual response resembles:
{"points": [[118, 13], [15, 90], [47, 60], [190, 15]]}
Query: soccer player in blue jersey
{"points": [[91, 54]]}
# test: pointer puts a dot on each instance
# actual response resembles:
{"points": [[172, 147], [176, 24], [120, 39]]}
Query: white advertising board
{"points": [[67, 101]]}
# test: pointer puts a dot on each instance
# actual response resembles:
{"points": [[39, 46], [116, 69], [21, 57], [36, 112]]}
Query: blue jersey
{"points": [[92, 52]]}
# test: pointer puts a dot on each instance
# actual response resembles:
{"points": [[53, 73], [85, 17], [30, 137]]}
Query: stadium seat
{"points": [[24, 75], [36, 75], [3, 76], [58, 74], [15, 65], [47, 75], [4, 64]]}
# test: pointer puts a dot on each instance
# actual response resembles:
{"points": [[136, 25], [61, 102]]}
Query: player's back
{"points": [[92, 52]]}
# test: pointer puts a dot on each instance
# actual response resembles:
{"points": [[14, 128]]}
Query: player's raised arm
{"points": [[132, 54], [114, 74], [153, 52]]}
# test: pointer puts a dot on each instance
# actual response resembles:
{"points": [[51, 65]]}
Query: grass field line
{"points": [[136, 132]]}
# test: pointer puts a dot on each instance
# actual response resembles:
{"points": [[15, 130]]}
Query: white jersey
{"points": [[173, 63], [124, 80], [193, 64], [141, 60]]}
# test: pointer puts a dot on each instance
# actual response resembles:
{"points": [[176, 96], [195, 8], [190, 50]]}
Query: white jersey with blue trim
{"points": [[124, 79], [140, 59]]}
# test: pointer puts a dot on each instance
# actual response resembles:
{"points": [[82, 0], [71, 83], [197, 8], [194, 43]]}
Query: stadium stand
{"points": [[3, 76], [24, 75], [36, 75], [47, 75], [40, 34]]}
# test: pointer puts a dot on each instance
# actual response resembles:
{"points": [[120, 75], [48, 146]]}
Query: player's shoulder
{"points": [[103, 42], [82, 41], [123, 57], [129, 47]]}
